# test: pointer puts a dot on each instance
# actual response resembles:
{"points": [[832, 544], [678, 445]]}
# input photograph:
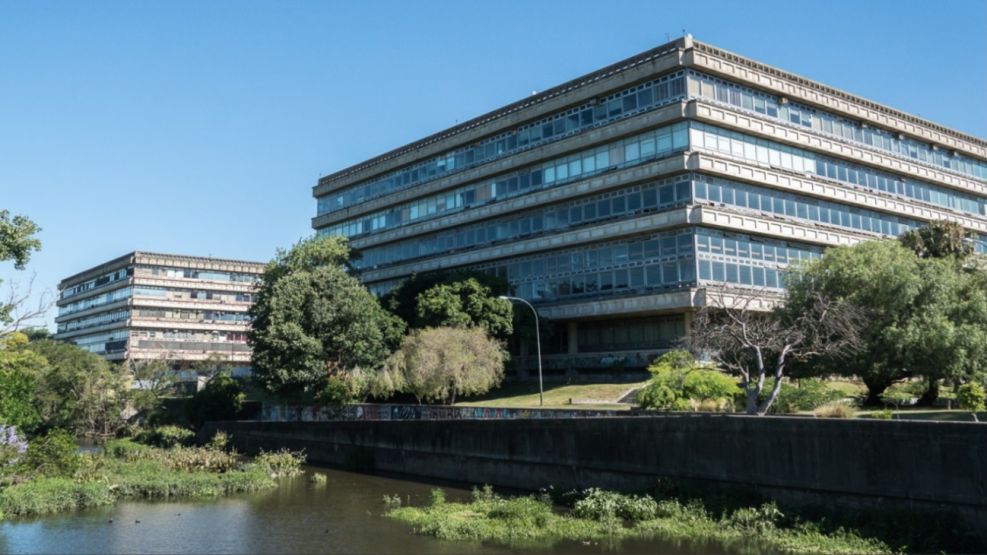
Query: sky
{"points": [[199, 128]]}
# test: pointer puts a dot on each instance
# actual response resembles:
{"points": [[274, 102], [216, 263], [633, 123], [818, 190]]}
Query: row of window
{"points": [[739, 145], [110, 277], [659, 92], [194, 315], [626, 335], [656, 144], [190, 335], [181, 294], [103, 343], [92, 302], [625, 202], [653, 144], [220, 348], [187, 273], [745, 260], [750, 197], [94, 320], [661, 261], [819, 121], [663, 194], [656, 93]]}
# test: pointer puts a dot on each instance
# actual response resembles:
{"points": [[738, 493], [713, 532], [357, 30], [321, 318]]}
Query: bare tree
{"points": [[753, 335], [18, 310]]}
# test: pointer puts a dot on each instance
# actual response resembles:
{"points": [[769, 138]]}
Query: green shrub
{"points": [[392, 502], [884, 414], [280, 464], [53, 454], [127, 450], [809, 395], [971, 396], [679, 383], [166, 437], [599, 504], [50, 495], [755, 520], [438, 497]]}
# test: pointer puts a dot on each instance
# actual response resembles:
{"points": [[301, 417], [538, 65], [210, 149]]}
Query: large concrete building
{"points": [[613, 201], [148, 306]]}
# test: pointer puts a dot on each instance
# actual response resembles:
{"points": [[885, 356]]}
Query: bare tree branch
{"points": [[18, 311], [742, 329]]}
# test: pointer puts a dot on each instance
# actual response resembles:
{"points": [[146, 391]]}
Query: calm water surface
{"points": [[342, 516]]}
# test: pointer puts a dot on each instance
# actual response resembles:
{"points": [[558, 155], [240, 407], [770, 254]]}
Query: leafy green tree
{"points": [[463, 304], [882, 279], [939, 239], [154, 381], [678, 382], [312, 319], [441, 364], [221, 399], [78, 391], [944, 335], [403, 299], [17, 239], [19, 373], [925, 317]]}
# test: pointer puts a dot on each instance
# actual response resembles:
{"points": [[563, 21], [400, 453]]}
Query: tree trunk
{"points": [[875, 387], [931, 394]]}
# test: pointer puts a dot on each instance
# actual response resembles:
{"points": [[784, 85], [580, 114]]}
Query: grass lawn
{"points": [[940, 415], [584, 396]]}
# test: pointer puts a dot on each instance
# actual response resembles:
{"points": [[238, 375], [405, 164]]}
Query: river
{"points": [[342, 516]]}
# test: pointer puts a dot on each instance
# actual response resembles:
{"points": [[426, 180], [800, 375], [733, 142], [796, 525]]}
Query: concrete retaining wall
{"points": [[914, 465]]}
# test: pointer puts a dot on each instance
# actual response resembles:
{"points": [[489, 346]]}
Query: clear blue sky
{"points": [[200, 127]]}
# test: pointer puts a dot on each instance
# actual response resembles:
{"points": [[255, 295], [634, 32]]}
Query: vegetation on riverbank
{"points": [[609, 518], [130, 470]]}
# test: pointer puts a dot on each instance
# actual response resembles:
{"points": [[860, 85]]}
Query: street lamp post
{"points": [[541, 385]]}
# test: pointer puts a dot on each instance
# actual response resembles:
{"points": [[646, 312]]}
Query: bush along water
{"points": [[608, 518], [50, 476]]}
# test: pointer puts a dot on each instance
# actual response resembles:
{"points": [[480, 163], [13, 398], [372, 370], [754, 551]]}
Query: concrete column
{"points": [[573, 337]]}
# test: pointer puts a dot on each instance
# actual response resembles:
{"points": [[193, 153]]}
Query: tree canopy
{"points": [[462, 304], [311, 318], [17, 239], [926, 315]]}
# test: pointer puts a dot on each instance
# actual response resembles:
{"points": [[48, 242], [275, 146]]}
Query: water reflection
{"points": [[342, 516]]}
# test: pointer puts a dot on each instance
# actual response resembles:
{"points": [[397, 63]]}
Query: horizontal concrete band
{"points": [[839, 462]]}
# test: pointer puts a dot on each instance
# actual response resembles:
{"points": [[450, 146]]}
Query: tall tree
{"points": [[745, 335], [882, 279], [312, 319]]}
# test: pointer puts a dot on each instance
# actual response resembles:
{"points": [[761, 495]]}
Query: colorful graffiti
{"points": [[316, 413]]}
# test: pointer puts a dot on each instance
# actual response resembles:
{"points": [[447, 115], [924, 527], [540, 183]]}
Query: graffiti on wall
{"points": [[316, 413]]}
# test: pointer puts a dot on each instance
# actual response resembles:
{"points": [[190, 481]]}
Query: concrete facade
{"points": [[149, 306], [613, 201]]}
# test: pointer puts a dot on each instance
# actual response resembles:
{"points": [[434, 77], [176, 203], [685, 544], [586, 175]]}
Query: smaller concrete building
{"points": [[150, 306]]}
